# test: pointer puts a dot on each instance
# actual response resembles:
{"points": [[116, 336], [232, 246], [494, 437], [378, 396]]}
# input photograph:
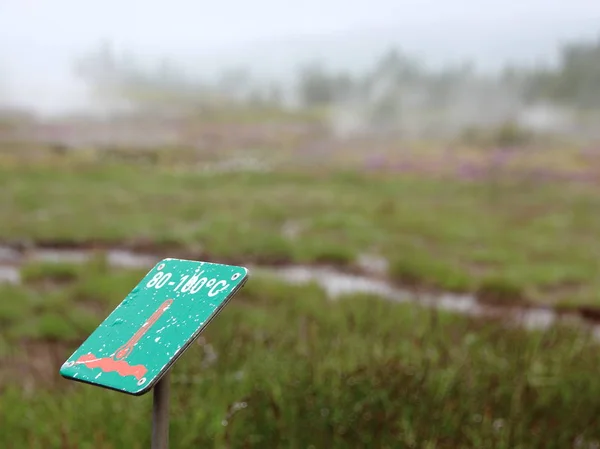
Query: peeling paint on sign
{"points": [[140, 340]]}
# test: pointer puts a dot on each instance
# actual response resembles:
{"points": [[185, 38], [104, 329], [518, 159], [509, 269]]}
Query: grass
{"points": [[294, 369], [297, 370], [515, 241]]}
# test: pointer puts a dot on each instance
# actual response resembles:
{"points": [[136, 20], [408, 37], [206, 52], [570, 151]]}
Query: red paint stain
{"points": [[107, 364], [117, 363], [126, 349]]}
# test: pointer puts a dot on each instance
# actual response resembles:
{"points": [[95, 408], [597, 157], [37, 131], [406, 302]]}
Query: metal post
{"points": [[160, 413]]}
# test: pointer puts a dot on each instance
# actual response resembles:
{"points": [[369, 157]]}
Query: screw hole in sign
{"points": [[235, 276], [160, 267]]}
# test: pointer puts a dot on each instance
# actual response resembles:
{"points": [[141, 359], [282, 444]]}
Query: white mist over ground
{"points": [[39, 40]]}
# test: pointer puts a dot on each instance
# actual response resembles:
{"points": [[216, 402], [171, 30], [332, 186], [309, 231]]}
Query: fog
{"points": [[42, 43]]}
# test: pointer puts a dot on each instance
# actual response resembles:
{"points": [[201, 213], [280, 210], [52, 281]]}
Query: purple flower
{"points": [[469, 172], [376, 162]]}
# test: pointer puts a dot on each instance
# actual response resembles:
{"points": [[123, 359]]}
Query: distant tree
{"points": [[399, 67], [576, 80], [318, 88], [236, 82], [275, 94], [122, 77]]}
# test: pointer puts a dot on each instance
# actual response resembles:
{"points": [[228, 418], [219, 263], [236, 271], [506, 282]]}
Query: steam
{"points": [[395, 95]]}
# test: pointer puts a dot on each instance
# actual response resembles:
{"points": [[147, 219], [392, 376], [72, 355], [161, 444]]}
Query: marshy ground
{"points": [[285, 365]]}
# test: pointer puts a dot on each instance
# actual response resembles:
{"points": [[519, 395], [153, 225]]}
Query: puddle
{"points": [[116, 258], [128, 259], [11, 260], [8, 255], [9, 275], [66, 256], [335, 283]]}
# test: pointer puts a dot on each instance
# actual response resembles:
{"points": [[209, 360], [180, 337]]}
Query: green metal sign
{"points": [[151, 328]]}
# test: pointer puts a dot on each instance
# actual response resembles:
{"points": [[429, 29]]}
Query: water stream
{"points": [[336, 283]]}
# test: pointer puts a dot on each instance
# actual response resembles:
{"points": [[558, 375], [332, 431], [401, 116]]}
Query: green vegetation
{"points": [[520, 241], [283, 366], [296, 370]]}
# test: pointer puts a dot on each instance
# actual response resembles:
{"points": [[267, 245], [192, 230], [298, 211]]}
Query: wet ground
{"points": [[334, 281]]}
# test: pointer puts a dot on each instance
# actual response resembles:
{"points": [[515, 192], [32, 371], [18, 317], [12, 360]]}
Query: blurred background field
{"points": [[421, 231]]}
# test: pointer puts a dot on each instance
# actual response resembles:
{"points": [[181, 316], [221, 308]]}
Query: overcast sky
{"points": [[165, 24], [39, 38]]}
